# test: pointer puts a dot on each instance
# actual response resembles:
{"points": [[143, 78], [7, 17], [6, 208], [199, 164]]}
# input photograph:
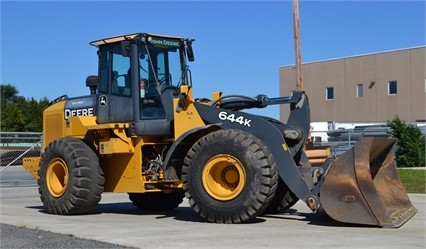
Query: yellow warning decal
{"points": [[285, 148]]}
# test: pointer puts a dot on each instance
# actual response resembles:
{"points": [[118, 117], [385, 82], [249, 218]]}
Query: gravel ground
{"points": [[21, 237]]}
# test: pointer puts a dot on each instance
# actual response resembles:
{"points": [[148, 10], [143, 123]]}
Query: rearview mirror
{"points": [[189, 51]]}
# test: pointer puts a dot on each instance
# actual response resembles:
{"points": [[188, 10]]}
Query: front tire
{"points": [[229, 176], [71, 180]]}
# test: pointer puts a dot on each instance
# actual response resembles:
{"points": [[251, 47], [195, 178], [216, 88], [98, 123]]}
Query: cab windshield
{"points": [[160, 64]]}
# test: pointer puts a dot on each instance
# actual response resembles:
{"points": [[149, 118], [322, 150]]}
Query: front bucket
{"points": [[361, 186]]}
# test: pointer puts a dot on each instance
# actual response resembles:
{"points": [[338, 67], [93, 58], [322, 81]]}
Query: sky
{"points": [[239, 45]]}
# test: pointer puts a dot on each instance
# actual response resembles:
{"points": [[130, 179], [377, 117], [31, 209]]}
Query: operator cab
{"points": [[139, 75]]}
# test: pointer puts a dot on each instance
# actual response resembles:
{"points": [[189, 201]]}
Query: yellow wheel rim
{"points": [[57, 177], [223, 177]]}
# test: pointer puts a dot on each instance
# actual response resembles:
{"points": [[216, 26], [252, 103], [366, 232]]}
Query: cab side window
{"points": [[114, 77], [120, 76]]}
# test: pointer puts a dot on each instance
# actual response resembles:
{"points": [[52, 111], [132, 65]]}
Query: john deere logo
{"points": [[102, 100]]}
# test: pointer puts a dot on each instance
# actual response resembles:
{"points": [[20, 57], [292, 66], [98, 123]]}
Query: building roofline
{"points": [[359, 55]]}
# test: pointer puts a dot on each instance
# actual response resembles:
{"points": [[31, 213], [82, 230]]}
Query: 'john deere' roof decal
{"points": [[164, 42]]}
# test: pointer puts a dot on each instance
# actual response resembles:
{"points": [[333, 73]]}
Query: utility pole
{"points": [[297, 44]]}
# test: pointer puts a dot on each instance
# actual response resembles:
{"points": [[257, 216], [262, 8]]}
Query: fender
{"points": [[176, 154]]}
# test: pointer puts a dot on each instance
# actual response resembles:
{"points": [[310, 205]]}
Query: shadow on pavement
{"points": [[127, 208], [188, 214], [312, 219]]}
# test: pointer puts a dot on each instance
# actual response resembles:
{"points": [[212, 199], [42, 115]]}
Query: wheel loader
{"points": [[141, 132]]}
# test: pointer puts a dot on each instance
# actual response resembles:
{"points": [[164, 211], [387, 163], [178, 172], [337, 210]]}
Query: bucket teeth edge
{"points": [[403, 217]]}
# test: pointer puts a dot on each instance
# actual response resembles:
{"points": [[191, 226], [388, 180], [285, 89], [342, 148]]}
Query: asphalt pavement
{"points": [[118, 222]]}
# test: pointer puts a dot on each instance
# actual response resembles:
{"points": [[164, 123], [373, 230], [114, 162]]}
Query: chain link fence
{"points": [[17, 145], [14, 147]]}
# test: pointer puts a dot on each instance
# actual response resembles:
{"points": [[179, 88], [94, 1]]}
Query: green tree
{"points": [[8, 93], [12, 117], [410, 151], [19, 114], [34, 118]]}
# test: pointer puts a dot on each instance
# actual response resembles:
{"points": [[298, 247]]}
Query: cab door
{"points": [[114, 103]]}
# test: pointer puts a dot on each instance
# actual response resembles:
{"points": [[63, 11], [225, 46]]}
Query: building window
{"points": [[359, 90], [392, 87], [329, 93]]}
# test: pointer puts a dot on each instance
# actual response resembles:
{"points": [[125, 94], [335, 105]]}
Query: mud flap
{"points": [[362, 187]]}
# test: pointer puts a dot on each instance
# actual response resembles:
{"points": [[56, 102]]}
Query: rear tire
{"points": [[283, 199], [229, 176], [156, 201], [71, 180]]}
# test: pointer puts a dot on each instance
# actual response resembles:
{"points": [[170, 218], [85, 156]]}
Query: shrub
{"points": [[410, 150]]}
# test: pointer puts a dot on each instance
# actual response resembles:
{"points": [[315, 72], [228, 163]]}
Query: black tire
{"points": [[229, 176], [71, 180], [156, 201], [283, 199]]}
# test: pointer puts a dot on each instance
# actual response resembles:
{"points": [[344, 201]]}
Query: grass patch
{"points": [[413, 180]]}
